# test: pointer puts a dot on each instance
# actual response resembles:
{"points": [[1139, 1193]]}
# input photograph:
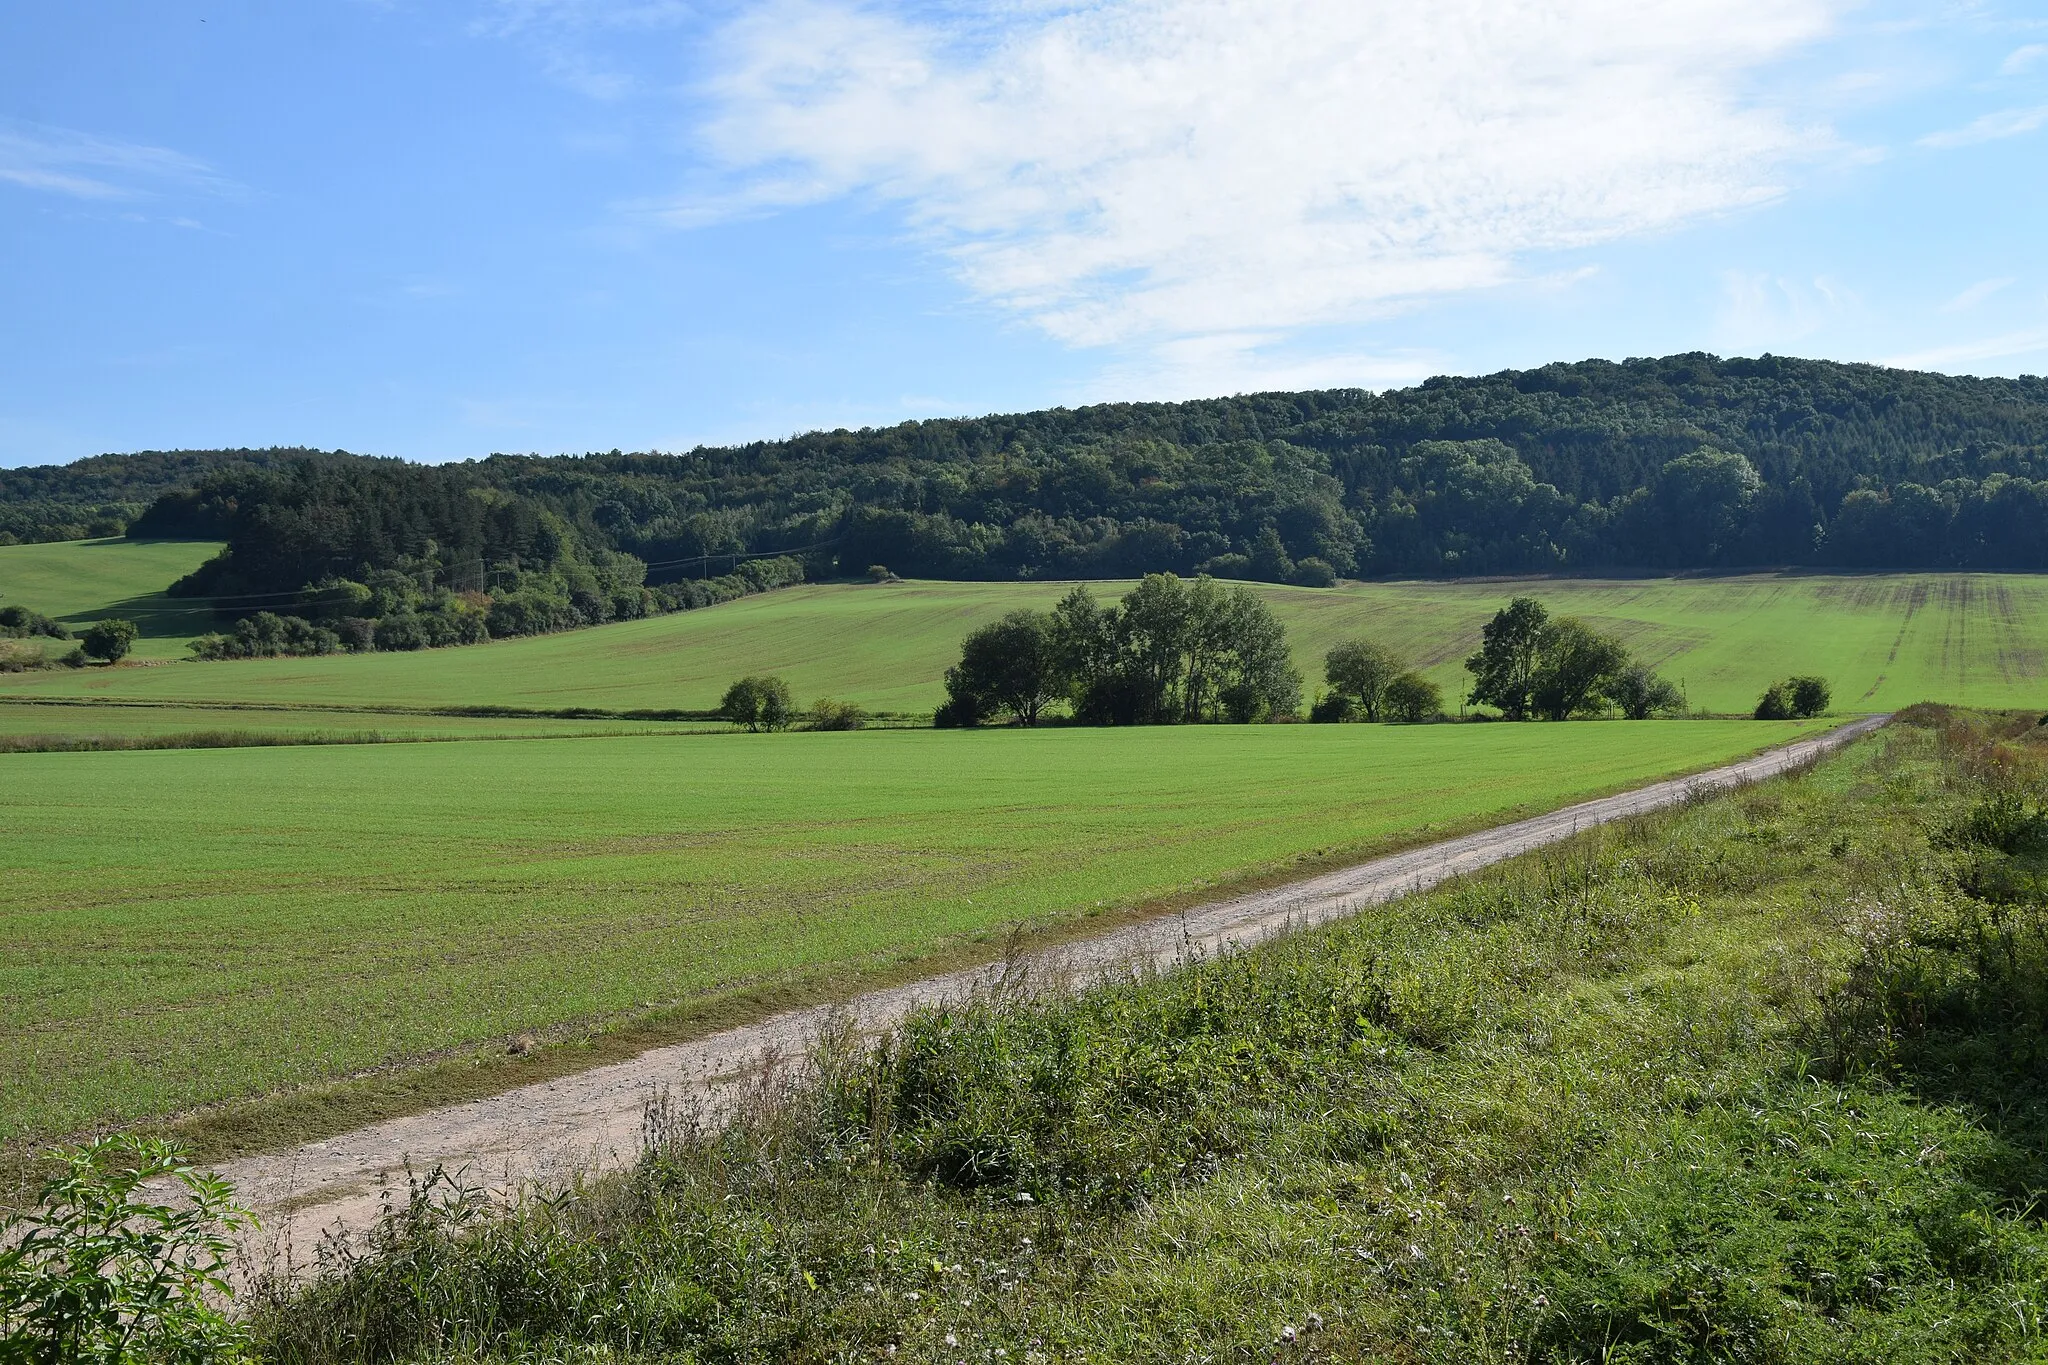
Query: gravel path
{"points": [[546, 1132]]}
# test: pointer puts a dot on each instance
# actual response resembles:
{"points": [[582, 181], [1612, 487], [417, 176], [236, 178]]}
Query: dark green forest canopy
{"points": [[101, 495], [1684, 462]]}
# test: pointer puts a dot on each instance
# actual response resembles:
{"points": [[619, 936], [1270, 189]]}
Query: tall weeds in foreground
{"points": [[1745, 1081], [105, 1269]]}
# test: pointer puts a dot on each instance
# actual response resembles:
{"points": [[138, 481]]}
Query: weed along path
{"points": [[547, 1132]]}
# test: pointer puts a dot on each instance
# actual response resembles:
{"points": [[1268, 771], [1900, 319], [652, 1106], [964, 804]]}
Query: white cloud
{"points": [[2023, 59], [62, 161], [2000, 347], [1976, 294], [1991, 127], [1162, 170]]}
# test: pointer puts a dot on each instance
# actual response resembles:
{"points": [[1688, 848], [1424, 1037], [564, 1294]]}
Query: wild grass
{"points": [[1730, 1083], [187, 927], [1882, 640]]}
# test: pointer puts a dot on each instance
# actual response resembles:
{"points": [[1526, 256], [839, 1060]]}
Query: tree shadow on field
{"points": [[157, 616]]}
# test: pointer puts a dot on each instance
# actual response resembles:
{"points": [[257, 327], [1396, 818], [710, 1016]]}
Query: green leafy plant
{"points": [[100, 1272], [110, 639], [827, 714]]}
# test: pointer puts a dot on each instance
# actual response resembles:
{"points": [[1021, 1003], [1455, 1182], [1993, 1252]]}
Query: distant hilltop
{"points": [[1681, 463]]}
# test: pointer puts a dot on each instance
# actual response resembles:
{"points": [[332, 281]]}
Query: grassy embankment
{"points": [[81, 581], [184, 927], [1883, 640], [1761, 1079]]}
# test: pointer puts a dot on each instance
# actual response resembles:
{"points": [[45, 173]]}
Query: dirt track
{"points": [[541, 1133]]}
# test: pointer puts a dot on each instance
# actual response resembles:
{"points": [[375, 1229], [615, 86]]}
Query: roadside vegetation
{"points": [[1756, 1079]]}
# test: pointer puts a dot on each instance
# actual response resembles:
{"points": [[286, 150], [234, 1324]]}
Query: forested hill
{"points": [[101, 495], [1684, 462]]}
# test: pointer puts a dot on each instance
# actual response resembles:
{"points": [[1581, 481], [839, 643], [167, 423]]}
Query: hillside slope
{"points": [[1884, 640]]}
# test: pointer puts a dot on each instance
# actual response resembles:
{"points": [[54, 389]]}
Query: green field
{"points": [[1885, 640], [186, 926], [81, 720], [1754, 1079], [79, 581]]}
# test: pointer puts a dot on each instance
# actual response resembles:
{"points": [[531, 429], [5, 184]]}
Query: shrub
{"points": [[20, 623], [1331, 708], [879, 573], [267, 636], [98, 1272], [1411, 698], [757, 704], [1359, 671], [1641, 694], [1810, 696], [1228, 566], [963, 712], [1313, 573], [827, 714], [2005, 821], [1793, 699], [110, 639]]}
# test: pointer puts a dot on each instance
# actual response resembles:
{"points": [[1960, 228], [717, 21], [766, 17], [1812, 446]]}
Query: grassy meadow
{"points": [[183, 927], [80, 581], [1755, 1079], [21, 721], [1885, 641]]}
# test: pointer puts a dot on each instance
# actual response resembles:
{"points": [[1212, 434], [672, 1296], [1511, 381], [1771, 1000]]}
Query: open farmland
{"points": [[1885, 640], [340, 908], [1746, 1080], [79, 581], [66, 721]]}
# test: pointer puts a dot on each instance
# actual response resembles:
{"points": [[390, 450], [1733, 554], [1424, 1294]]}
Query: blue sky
{"points": [[443, 229]]}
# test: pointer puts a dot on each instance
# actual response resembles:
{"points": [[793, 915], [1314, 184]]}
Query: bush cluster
{"points": [[1367, 681], [1173, 651], [763, 703], [1530, 663], [19, 623], [1794, 699]]}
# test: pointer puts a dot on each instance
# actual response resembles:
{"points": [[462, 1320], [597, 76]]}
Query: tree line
{"points": [[1177, 652]]}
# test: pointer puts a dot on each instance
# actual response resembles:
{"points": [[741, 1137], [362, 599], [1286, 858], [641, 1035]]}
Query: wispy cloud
{"points": [[555, 31], [1188, 172], [1976, 294], [1761, 311], [1991, 127], [1999, 347], [2024, 59], [522, 16], [83, 166]]}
